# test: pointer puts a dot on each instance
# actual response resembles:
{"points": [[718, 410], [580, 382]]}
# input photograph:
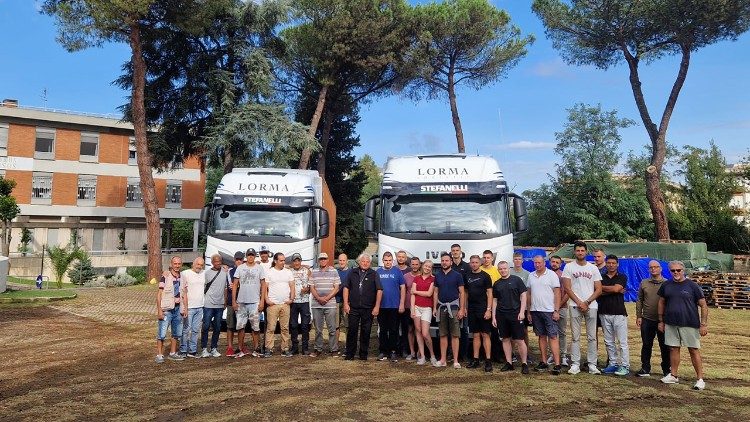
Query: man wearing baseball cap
{"points": [[248, 300], [265, 258]]}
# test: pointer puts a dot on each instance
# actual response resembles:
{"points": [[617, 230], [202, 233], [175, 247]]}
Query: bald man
{"points": [[193, 281]]}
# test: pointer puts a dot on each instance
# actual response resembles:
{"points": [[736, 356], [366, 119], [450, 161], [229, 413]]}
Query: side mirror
{"points": [[519, 211], [323, 223], [371, 214], [203, 222]]}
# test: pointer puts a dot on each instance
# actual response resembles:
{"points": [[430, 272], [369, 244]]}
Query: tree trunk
{"points": [[304, 159], [324, 138], [7, 230], [148, 191], [228, 162], [657, 135], [454, 113]]}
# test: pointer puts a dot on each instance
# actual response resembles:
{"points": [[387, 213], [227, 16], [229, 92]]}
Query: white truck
{"points": [[282, 210], [428, 202]]}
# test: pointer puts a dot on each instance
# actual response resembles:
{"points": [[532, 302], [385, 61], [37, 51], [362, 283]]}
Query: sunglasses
{"points": [[676, 270]]}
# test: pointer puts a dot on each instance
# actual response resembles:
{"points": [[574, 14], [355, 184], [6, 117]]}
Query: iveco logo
{"points": [[267, 187], [255, 200], [451, 171]]}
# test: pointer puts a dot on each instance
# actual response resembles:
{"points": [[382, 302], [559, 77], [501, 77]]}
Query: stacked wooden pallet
{"points": [[732, 291], [706, 280]]}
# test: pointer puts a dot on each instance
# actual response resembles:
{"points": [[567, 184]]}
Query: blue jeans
{"points": [[210, 314], [190, 331], [171, 317]]}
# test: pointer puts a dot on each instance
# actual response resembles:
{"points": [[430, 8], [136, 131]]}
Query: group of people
{"points": [[496, 303]]}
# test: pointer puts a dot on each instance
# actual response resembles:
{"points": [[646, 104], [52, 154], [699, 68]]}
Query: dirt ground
{"points": [[78, 362]]}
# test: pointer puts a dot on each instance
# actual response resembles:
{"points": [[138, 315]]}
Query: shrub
{"points": [[138, 273], [120, 280], [82, 271]]}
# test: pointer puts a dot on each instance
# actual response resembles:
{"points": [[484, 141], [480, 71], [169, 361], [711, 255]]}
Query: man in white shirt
{"points": [[193, 281], [279, 294], [583, 283], [299, 319]]}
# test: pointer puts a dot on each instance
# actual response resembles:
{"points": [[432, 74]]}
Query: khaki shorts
{"points": [[682, 336], [448, 324]]}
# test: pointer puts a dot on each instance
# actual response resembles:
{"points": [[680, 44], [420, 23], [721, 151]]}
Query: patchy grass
{"points": [[78, 376], [32, 282], [27, 294]]}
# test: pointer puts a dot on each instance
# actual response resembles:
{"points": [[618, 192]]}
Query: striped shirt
{"points": [[325, 280]]}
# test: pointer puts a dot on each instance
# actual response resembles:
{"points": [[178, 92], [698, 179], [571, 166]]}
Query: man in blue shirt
{"points": [[343, 318], [679, 300], [394, 291], [449, 307]]}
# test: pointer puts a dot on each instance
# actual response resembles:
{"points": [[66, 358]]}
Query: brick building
{"points": [[76, 175]]}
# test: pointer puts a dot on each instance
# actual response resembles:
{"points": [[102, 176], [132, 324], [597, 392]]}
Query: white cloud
{"points": [[552, 68], [527, 145]]}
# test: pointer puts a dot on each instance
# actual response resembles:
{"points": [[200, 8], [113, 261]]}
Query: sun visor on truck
{"points": [[266, 201], [457, 188]]}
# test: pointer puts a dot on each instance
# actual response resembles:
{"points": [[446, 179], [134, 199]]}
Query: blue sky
{"points": [[513, 120]]}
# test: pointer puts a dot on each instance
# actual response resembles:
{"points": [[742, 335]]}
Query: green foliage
{"points": [[583, 200], [588, 147], [23, 246], [182, 233], [703, 212], [594, 32], [138, 273], [82, 271], [467, 42], [354, 44], [61, 258], [8, 211]]}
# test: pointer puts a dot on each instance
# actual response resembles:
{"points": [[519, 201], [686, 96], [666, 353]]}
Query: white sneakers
{"points": [[215, 353], [699, 385], [574, 369], [671, 379], [205, 353], [593, 370]]}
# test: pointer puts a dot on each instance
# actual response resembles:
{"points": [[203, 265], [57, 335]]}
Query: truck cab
{"points": [[428, 202], [280, 210]]}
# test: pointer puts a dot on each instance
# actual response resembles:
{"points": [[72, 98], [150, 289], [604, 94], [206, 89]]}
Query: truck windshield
{"points": [[290, 223], [445, 214]]}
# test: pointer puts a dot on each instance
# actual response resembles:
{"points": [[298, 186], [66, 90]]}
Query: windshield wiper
{"points": [[409, 231], [467, 231], [277, 234]]}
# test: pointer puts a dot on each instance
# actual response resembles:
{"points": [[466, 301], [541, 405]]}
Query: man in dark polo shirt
{"points": [[463, 268], [614, 318], [449, 307], [479, 292], [679, 300], [362, 295], [508, 314]]}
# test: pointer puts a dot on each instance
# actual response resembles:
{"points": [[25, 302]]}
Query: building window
{"points": [[174, 195], [3, 140], [132, 160], [86, 190], [90, 147], [133, 194], [41, 188], [45, 144]]}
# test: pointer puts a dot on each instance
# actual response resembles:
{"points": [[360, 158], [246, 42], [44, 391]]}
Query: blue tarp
{"points": [[635, 269], [530, 253]]}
